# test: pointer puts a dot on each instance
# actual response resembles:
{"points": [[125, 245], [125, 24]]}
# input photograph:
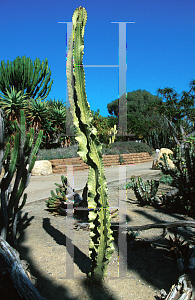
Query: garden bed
{"points": [[43, 241]]}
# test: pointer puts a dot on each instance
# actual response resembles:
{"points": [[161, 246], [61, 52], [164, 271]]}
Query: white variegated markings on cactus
{"points": [[100, 246]]}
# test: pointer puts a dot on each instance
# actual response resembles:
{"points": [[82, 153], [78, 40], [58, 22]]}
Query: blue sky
{"points": [[160, 45]]}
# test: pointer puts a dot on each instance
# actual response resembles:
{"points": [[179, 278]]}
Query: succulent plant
{"points": [[145, 192], [100, 246], [19, 160]]}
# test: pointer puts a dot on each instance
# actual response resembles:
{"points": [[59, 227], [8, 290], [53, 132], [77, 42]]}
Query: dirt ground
{"points": [[136, 270]]}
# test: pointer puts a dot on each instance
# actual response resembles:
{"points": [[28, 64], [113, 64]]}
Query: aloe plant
{"points": [[19, 160], [100, 246]]}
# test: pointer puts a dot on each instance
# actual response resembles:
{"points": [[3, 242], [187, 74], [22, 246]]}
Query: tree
{"points": [[176, 107], [26, 76], [178, 110], [102, 125], [143, 110]]}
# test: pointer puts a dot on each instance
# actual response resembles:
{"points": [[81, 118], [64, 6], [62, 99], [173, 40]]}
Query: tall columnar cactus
{"points": [[26, 76], [21, 160], [100, 246]]}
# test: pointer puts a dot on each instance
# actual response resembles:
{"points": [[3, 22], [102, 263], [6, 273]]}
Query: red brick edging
{"points": [[59, 165]]}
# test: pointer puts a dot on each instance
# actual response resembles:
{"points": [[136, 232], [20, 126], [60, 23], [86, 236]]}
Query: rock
{"points": [[2, 173], [42, 167], [159, 155]]}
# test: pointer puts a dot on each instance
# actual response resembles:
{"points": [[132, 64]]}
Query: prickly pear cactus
{"points": [[100, 246]]}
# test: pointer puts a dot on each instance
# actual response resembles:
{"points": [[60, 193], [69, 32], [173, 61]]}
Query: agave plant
{"points": [[12, 102], [37, 110], [58, 113]]}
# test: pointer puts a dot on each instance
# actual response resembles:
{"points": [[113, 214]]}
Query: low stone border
{"points": [[60, 165]]}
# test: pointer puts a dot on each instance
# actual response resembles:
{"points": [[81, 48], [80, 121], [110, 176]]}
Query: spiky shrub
{"points": [[100, 246], [145, 192], [183, 175], [15, 161]]}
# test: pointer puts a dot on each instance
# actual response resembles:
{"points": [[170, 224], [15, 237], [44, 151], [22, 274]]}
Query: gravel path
{"points": [[44, 239]]}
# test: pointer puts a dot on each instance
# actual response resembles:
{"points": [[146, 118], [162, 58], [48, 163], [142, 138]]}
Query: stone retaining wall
{"points": [[59, 165]]}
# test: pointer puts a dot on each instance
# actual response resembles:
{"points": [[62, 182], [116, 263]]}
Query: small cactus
{"points": [[145, 192], [57, 203]]}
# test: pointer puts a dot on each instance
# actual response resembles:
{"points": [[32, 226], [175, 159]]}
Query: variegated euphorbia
{"points": [[101, 240]]}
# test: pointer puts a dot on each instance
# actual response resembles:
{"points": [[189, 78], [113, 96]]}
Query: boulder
{"points": [[42, 167], [159, 155]]}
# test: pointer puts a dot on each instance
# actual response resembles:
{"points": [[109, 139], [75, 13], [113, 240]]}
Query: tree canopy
{"points": [[143, 111], [179, 108], [146, 112]]}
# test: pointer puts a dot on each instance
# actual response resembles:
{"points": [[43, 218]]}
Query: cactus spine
{"points": [[100, 246], [16, 160]]}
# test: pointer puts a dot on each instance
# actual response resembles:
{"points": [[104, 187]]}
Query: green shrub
{"points": [[166, 179]]}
